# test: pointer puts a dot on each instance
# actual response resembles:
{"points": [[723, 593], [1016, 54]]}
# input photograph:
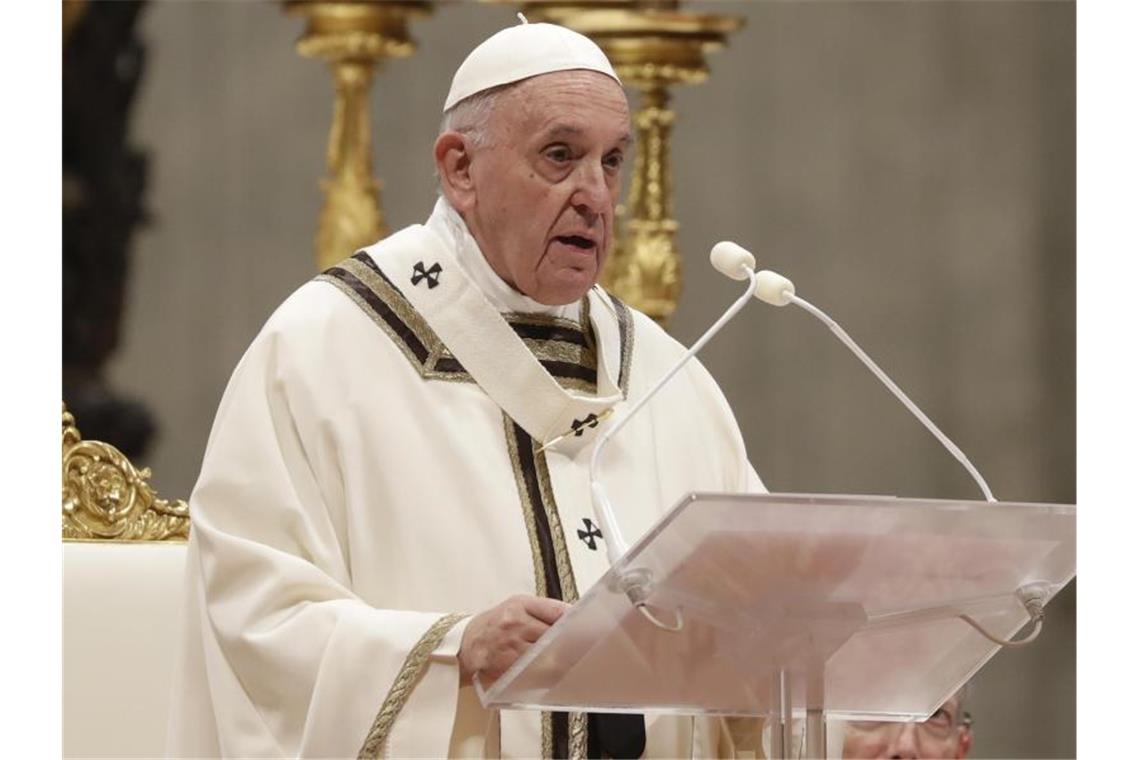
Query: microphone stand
{"points": [[637, 584]]}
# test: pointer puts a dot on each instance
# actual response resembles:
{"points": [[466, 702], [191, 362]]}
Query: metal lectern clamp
{"points": [[637, 584], [1032, 597]]}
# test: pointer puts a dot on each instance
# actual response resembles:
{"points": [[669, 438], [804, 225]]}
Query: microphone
{"points": [[735, 262], [731, 260], [779, 291]]}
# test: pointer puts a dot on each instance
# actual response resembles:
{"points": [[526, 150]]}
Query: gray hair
{"points": [[472, 116]]}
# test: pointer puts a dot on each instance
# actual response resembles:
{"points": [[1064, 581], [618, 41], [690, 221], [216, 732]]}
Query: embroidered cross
{"points": [[579, 426], [576, 429], [431, 275], [589, 534]]}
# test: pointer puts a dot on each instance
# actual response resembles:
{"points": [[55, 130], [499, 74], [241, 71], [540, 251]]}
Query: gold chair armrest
{"points": [[106, 499]]}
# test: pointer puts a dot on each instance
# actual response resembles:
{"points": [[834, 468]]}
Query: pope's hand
{"points": [[495, 638]]}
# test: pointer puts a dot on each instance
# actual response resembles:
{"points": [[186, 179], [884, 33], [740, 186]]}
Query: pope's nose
{"points": [[591, 195]]}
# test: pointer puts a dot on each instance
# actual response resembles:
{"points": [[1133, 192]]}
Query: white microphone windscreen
{"points": [[731, 260], [774, 288]]}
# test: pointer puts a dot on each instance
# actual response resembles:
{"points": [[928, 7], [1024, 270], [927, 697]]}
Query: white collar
{"points": [[446, 222], [455, 311]]}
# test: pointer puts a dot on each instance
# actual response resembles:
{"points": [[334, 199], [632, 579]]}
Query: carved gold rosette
{"points": [[354, 38], [652, 45], [106, 498]]}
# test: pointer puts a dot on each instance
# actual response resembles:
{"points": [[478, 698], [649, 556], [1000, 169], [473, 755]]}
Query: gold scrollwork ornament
{"points": [[106, 498]]}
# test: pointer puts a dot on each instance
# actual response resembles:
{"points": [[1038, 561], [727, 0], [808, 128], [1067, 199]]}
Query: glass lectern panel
{"points": [[855, 599]]}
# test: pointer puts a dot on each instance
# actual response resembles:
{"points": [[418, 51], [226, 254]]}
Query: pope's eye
{"points": [[558, 154], [614, 160]]}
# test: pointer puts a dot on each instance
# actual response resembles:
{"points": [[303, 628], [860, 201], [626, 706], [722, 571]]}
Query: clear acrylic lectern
{"points": [[820, 606]]}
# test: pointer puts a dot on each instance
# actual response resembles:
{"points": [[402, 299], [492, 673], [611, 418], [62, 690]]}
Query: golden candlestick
{"points": [[652, 45], [354, 37]]}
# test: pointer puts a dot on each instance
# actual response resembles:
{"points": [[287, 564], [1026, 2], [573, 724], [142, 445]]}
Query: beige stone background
{"points": [[911, 165]]}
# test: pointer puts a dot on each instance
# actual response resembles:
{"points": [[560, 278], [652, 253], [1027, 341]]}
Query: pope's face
{"points": [[941, 736], [545, 187]]}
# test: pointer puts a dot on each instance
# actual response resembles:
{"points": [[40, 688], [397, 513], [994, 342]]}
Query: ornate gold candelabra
{"points": [[653, 45], [354, 37]]}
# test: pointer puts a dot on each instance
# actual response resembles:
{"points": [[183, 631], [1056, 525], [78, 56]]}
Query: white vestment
{"points": [[372, 478]]}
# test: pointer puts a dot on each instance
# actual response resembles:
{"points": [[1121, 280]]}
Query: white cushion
{"points": [[121, 607]]}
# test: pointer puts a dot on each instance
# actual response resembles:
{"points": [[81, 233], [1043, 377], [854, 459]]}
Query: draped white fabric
{"points": [[372, 476]]}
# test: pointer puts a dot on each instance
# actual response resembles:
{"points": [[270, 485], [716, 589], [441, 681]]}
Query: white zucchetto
{"points": [[524, 51]]}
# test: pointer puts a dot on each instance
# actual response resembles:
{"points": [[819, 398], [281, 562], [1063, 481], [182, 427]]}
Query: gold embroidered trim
{"points": [[410, 672], [577, 722], [547, 735], [577, 748], [563, 351], [561, 553], [560, 351], [425, 369], [527, 508], [437, 352], [411, 318], [625, 326], [394, 299], [543, 320]]}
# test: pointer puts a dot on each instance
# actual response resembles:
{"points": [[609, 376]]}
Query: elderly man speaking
{"points": [[394, 496]]}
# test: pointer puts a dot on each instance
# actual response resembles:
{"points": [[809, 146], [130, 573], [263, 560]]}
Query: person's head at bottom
{"points": [[945, 734]]}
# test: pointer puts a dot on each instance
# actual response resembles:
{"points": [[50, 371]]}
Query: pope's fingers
{"points": [[546, 610], [534, 631], [502, 659], [498, 636]]}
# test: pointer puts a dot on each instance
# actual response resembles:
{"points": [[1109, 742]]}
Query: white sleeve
{"points": [[753, 484], [295, 664]]}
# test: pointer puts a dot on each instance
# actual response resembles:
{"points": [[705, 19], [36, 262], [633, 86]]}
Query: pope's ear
{"points": [[453, 163]]}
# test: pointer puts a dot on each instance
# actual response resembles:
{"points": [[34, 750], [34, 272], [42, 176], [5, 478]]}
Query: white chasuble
{"points": [[373, 477]]}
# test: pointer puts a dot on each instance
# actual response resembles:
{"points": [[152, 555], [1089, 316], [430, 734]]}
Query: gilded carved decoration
{"points": [[354, 38], [106, 498], [653, 45]]}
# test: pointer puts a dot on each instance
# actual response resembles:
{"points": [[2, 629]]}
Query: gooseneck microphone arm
{"points": [[615, 543], [779, 291], [879, 373]]}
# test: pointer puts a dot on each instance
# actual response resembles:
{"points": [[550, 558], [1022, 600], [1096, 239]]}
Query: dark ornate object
{"points": [[103, 181]]}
